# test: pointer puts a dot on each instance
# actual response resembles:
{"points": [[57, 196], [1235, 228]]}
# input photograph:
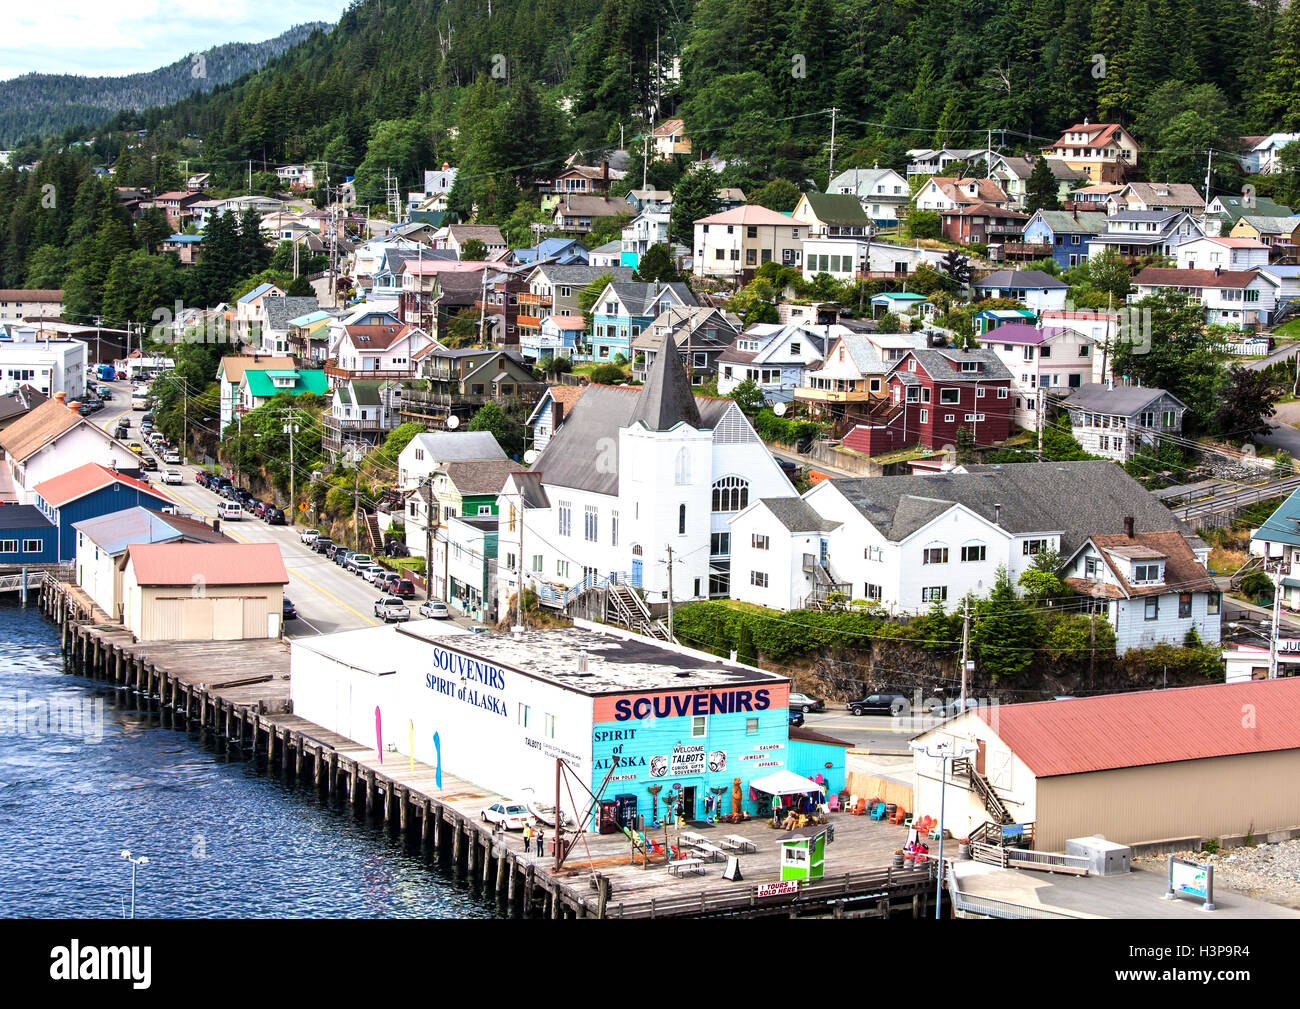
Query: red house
{"points": [[933, 394], [982, 223]]}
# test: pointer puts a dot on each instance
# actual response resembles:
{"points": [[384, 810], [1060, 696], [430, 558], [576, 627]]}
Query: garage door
{"points": [[255, 610], [228, 619], [196, 619]]}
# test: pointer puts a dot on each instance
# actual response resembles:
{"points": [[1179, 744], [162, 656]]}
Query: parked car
{"points": [[805, 702], [434, 609], [356, 561], [789, 468], [289, 611], [309, 536], [172, 476], [171, 455], [332, 551], [122, 432], [321, 544], [148, 462], [390, 608], [275, 517], [373, 573], [511, 815], [136, 447], [796, 718], [480, 630], [399, 586], [230, 511], [259, 509], [341, 557], [881, 704]]}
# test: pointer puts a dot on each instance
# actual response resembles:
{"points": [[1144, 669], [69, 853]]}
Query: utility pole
{"points": [[1038, 419], [645, 158], [291, 428], [988, 156], [1209, 166], [519, 596], [428, 543], [670, 589], [965, 640], [185, 420], [1278, 568], [830, 174], [250, 176], [356, 497], [482, 314]]}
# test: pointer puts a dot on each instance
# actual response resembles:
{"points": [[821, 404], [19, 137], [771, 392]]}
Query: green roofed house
{"points": [[900, 303], [1279, 539], [260, 384], [832, 215]]}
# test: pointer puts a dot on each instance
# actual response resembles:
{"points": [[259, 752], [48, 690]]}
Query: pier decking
{"points": [[239, 691]]}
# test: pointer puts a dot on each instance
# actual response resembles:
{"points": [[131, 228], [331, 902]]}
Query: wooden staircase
{"points": [[624, 606], [993, 803]]}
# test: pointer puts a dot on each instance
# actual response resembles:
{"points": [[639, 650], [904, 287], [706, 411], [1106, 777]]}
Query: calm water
{"points": [[80, 780]]}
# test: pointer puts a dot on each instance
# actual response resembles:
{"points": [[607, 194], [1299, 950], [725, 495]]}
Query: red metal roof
{"points": [[85, 479], [1150, 726], [207, 563]]}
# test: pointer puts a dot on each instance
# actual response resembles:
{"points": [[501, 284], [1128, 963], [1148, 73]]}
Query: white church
{"points": [[634, 475]]}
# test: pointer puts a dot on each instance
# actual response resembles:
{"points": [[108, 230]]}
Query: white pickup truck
{"points": [[309, 536]]}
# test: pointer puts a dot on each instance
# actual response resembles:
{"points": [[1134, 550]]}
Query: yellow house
{"points": [[202, 591], [1280, 234]]}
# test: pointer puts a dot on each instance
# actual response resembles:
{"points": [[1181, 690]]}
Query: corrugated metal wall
{"points": [[1190, 798]]}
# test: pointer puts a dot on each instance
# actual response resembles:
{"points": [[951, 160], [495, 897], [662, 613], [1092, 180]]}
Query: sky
{"points": [[112, 37]]}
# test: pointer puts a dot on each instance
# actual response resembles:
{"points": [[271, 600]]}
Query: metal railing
{"points": [[992, 907]]}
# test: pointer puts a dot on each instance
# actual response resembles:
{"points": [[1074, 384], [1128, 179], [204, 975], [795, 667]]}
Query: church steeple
{"points": [[666, 399]]}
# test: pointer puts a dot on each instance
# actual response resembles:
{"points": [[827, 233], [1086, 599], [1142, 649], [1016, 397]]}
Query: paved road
{"points": [[1284, 435], [877, 733], [327, 597]]}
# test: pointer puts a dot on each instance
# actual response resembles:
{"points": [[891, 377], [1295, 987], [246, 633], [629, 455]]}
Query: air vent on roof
{"points": [[682, 673]]}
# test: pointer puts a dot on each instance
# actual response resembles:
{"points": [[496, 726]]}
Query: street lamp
{"points": [[142, 860], [943, 752]]}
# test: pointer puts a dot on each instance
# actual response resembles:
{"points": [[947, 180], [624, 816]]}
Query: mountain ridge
{"points": [[41, 104]]}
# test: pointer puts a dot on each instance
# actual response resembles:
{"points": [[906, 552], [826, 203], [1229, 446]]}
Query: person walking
{"points": [[528, 836]]}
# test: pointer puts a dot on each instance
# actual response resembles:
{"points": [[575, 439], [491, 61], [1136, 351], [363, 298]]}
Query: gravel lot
{"points": [[1268, 872]]}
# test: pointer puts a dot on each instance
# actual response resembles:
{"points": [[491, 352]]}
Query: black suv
{"points": [[881, 704]]}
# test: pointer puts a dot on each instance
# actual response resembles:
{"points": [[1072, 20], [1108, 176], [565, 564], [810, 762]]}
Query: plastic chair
{"points": [[879, 812], [935, 834], [900, 814], [907, 820], [859, 807], [833, 804]]}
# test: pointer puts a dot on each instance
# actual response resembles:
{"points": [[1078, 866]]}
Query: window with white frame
{"points": [[590, 523], [758, 578], [934, 555], [562, 568], [934, 594], [974, 552], [699, 726], [758, 542], [683, 468], [613, 528], [537, 563], [1146, 573], [566, 518], [1030, 547], [730, 494], [32, 546], [949, 396], [872, 593], [1152, 610]]}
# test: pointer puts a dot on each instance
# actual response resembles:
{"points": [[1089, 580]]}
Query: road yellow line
{"points": [[292, 574]]}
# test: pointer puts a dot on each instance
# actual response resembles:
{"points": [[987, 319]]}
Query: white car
{"points": [[373, 573], [309, 536], [391, 608], [171, 455], [230, 510], [172, 476], [511, 815], [434, 609]]}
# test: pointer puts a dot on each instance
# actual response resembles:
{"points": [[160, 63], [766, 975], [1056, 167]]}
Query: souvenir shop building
{"points": [[661, 721]]}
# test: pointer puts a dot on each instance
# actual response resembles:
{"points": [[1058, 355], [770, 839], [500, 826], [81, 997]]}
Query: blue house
{"points": [[88, 492], [819, 757], [991, 318], [562, 251], [1068, 234], [26, 536], [624, 310]]}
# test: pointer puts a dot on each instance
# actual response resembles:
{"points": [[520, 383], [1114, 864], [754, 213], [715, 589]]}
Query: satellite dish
{"points": [[779, 409], [530, 457], [453, 423]]}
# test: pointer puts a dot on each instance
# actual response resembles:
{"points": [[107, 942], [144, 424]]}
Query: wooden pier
{"points": [[237, 692]]}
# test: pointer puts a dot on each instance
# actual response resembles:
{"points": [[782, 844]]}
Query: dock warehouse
{"points": [[498, 709], [1190, 762]]}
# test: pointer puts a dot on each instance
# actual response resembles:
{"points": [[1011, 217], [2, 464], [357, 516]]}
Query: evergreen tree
{"points": [[696, 196], [1041, 189]]}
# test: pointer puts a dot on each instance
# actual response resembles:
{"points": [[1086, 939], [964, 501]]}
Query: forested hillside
{"points": [[46, 104], [505, 89]]}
